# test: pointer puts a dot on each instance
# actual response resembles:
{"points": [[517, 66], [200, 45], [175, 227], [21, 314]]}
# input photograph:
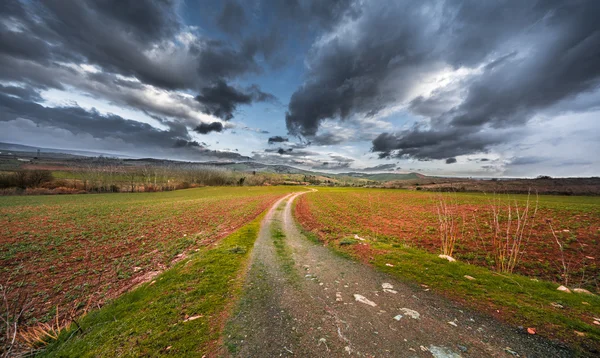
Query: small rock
{"points": [[557, 305], [358, 237], [462, 348], [348, 349], [136, 269], [470, 278], [453, 324], [596, 322], [442, 352], [388, 288], [363, 299], [169, 347], [323, 341], [446, 257], [192, 318], [582, 290], [531, 330], [338, 297], [424, 349], [411, 313], [389, 265], [563, 289], [580, 334], [510, 351], [398, 317]]}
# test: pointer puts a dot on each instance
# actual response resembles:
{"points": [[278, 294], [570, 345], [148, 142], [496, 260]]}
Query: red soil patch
{"points": [[411, 218], [89, 250]]}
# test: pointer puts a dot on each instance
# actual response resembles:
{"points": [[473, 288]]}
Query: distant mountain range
{"points": [[248, 166]]}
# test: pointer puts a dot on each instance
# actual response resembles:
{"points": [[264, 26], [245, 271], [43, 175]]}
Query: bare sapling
{"points": [[575, 260], [11, 314], [511, 229], [450, 227]]}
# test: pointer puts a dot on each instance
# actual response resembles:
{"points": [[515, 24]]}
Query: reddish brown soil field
{"points": [[411, 218], [79, 251]]}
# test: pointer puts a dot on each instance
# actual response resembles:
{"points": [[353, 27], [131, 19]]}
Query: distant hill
{"points": [[384, 176], [248, 166]]}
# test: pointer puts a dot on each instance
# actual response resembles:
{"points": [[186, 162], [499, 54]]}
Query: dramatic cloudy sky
{"points": [[447, 87]]}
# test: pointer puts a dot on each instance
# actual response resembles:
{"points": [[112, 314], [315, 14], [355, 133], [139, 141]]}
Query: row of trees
{"points": [[114, 175], [25, 179]]}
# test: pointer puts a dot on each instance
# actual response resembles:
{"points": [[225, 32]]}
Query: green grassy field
{"points": [[78, 251], [180, 313]]}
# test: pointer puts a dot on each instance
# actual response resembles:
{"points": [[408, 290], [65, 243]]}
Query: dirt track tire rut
{"points": [[311, 309]]}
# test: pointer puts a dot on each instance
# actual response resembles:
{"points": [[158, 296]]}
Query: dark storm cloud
{"points": [[111, 128], [26, 93], [532, 55], [331, 166], [277, 139], [182, 143], [205, 128], [450, 160], [221, 100], [564, 63], [290, 152], [424, 144], [340, 158], [324, 14], [528, 160], [80, 121], [232, 18], [327, 138], [346, 71], [380, 167], [39, 40]]}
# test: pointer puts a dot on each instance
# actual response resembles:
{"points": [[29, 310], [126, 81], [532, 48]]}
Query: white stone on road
{"points": [[363, 299], [441, 352], [411, 313]]}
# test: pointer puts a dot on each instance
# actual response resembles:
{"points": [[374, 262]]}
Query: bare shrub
{"points": [[451, 226], [11, 314], [511, 226]]}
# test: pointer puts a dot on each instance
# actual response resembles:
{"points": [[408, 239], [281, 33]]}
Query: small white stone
{"points": [[446, 257], [563, 289]]}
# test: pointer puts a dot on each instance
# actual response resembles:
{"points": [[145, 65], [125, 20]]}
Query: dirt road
{"points": [[301, 299]]}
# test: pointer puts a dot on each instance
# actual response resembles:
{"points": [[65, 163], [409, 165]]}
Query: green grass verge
{"points": [[517, 299], [283, 252], [150, 320]]}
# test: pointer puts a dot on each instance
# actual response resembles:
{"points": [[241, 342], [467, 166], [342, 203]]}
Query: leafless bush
{"points": [[451, 226], [25, 178], [11, 314], [511, 226]]}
